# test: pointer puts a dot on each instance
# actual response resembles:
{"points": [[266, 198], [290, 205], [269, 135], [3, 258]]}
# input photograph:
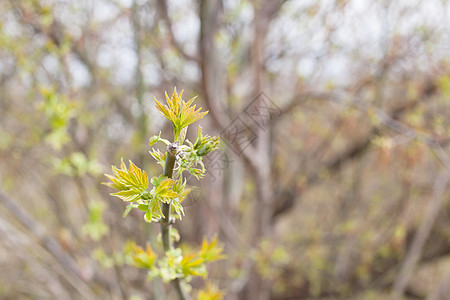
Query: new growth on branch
{"points": [[161, 198]]}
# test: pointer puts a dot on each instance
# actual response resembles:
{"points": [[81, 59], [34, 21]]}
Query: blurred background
{"points": [[332, 182]]}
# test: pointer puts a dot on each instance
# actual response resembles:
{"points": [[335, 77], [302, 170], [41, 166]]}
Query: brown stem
{"points": [[165, 221]]}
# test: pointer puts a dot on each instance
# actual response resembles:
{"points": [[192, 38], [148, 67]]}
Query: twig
{"points": [[442, 289], [166, 222], [178, 47], [421, 236], [48, 242]]}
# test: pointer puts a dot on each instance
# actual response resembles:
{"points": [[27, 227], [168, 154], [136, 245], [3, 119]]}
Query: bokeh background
{"points": [[336, 188]]}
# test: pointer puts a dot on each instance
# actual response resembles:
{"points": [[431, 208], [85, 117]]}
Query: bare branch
{"points": [[173, 40], [48, 242], [414, 253], [442, 289]]}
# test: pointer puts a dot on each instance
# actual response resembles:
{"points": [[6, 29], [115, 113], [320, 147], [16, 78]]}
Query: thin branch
{"points": [[209, 15], [178, 47], [389, 119], [51, 245], [414, 253], [139, 85], [166, 222], [442, 289]]}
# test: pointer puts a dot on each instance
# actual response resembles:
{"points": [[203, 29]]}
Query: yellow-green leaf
{"points": [[144, 259], [211, 251], [179, 112]]}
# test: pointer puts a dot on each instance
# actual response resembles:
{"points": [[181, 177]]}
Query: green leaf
{"points": [[157, 180], [128, 195], [174, 235], [198, 173], [155, 209], [164, 191], [143, 207], [179, 112], [95, 228], [158, 156], [211, 251], [180, 188], [128, 209], [192, 265], [156, 138], [141, 258], [205, 143], [167, 194], [169, 267], [178, 208], [210, 293], [131, 183]]}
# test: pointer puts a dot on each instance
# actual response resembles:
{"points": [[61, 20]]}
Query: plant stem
{"points": [[165, 222]]}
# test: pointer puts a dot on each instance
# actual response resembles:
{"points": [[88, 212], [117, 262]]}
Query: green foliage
{"points": [[444, 84], [132, 186], [157, 138], [211, 251], [160, 158], [174, 264], [95, 228], [77, 164], [271, 259], [144, 259], [58, 111], [179, 112], [102, 258], [191, 155], [131, 183], [163, 191], [210, 293]]}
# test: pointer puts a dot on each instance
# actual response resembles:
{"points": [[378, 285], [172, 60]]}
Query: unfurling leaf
{"points": [[127, 178], [178, 208], [192, 265], [198, 173], [156, 138], [164, 190], [154, 209], [179, 112], [141, 258], [128, 209], [131, 183], [211, 251], [130, 195], [204, 143]]}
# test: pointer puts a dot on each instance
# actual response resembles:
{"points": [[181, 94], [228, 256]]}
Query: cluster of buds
{"points": [[204, 143], [191, 155]]}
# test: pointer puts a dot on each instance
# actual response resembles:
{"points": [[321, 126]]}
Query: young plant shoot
{"points": [[160, 198]]}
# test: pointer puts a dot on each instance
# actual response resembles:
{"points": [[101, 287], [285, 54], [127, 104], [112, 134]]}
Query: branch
{"points": [[442, 289], [421, 236], [50, 244], [139, 86], [166, 223], [178, 47], [388, 119]]}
